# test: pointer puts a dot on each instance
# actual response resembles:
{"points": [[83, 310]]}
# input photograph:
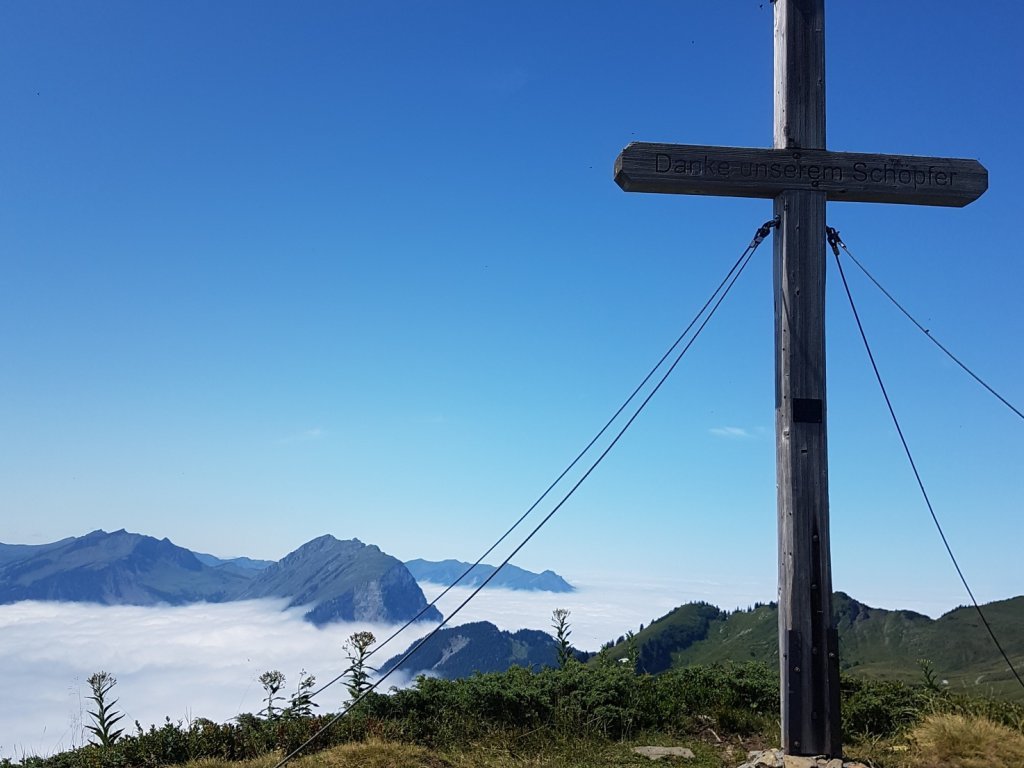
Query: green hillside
{"points": [[873, 642], [679, 628]]}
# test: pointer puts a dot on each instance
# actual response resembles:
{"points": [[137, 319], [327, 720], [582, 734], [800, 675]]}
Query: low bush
{"points": [[603, 701], [879, 708]]}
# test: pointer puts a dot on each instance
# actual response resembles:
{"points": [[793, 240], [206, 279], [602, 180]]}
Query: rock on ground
{"points": [[774, 758]]}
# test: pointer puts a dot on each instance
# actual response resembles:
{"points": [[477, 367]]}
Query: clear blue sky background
{"points": [[274, 270]]}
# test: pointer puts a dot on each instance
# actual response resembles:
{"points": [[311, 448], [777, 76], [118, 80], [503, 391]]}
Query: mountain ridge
{"points": [[478, 646], [118, 568], [241, 563], [343, 579], [509, 577], [334, 579], [873, 642]]}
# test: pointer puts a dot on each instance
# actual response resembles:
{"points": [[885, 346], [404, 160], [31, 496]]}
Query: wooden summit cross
{"points": [[800, 175]]}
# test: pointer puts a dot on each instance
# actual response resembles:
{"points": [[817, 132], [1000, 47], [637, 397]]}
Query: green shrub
{"points": [[742, 699], [878, 708], [605, 700]]}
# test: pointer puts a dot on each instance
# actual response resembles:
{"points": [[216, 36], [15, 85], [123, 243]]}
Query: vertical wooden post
{"points": [[808, 645]]}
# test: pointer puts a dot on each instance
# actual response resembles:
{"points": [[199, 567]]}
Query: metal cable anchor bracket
{"points": [[763, 231]]}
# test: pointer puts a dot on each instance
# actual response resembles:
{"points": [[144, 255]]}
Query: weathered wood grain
{"points": [[685, 169], [801, 421], [809, 690], [799, 85]]}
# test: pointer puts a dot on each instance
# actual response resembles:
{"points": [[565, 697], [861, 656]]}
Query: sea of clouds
{"points": [[204, 660]]}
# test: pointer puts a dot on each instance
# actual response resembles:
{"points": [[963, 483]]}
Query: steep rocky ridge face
{"points": [[343, 581]]}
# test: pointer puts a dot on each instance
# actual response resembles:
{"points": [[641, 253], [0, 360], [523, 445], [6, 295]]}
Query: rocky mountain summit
{"points": [[118, 568], [343, 580], [337, 580]]}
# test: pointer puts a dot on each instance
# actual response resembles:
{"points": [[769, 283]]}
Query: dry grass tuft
{"points": [[211, 762], [374, 754], [488, 754], [954, 741], [367, 754]]}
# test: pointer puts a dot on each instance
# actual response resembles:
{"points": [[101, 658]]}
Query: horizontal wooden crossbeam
{"points": [[844, 176]]}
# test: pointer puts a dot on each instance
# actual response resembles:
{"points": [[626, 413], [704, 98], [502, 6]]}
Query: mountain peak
{"points": [[324, 546], [343, 580], [335, 579], [327, 540], [118, 568]]}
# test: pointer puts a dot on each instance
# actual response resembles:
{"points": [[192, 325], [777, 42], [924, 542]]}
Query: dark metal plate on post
{"points": [[807, 410]]}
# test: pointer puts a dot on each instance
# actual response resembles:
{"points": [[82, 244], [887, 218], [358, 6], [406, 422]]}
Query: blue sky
{"points": [[270, 271]]}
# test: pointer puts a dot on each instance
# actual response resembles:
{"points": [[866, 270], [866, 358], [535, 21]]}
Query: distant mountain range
{"points": [[240, 563], [510, 577], [338, 580], [437, 572], [117, 568]]}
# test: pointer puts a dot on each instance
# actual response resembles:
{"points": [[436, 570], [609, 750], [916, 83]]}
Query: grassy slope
{"points": [[497, 753], [971, 663], [947, 740], [740, 636], [873, 642]]}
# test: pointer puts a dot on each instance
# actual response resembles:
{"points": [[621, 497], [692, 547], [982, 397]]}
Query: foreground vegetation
{"points": [[573, 716], [873, 642]]}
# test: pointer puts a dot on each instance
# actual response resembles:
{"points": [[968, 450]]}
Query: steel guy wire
{"points": [[910, 458], [834, 240], [759, 236], [730, 281]]}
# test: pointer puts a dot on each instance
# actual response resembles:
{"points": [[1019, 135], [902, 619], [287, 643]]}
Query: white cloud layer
{"points": [[178, 662], [203, 660]]}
